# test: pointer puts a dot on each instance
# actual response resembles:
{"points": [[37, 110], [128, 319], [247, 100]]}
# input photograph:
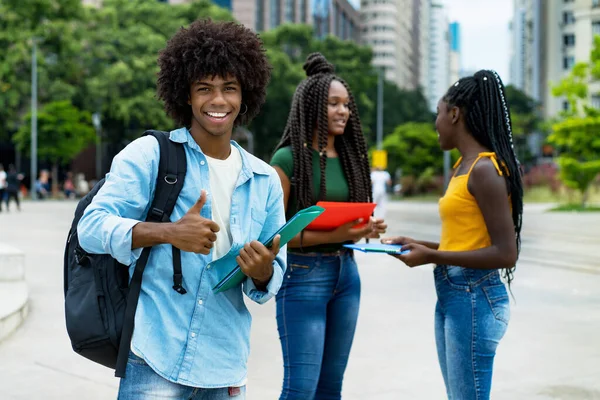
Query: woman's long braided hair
{"points": [[482, 99], [309, 113]]}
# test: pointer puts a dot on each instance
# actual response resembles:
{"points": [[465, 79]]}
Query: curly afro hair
{"points": [[208, 49]]}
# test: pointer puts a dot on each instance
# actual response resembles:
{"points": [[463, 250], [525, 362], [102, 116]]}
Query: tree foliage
{"points": [[103, 60], [577, 135], [414, 147]]}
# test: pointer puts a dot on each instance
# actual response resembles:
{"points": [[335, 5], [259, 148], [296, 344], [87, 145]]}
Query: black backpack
{"points": [[100, 301]]}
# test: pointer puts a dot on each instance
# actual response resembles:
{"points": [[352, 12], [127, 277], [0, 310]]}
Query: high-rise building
{"points": [[422, 46], [439, 53], [379, 21], [388, 29], [328, 17], [548, 39], [455, 67]]}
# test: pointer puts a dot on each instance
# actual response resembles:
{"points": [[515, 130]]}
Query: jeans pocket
{"points": [[133, 359], [497, 298], [455, 277], [298, 270], [299, 266]]}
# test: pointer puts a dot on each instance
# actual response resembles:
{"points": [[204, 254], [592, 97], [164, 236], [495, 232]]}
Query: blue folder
{"points": [[229, 272], [395, 249]]}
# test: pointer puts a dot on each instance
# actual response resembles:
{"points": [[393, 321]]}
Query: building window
{"points": [[568, 18], [275, 14], [596, 101], [260, 15], [303, 19], [290, 11], [595, 3], [566, 105], [321, 14], [569, 1], [569, 40], [568, 62]]}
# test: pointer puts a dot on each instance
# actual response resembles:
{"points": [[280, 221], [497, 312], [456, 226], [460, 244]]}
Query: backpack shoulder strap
{"points": [[171, 173], [172, 168]]}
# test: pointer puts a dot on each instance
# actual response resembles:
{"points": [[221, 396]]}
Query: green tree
{"points": [[268, 126], [526, 120], [414, 147], [58, 27], [288, 46], [125, 39], [577, 135], [63, 132], [400, 106]]}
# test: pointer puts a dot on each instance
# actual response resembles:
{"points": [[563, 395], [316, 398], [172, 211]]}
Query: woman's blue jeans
{"points": [[471, 317], [317, 310]]}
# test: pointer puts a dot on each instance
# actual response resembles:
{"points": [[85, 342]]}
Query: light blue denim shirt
{"points": [[199, 339]]}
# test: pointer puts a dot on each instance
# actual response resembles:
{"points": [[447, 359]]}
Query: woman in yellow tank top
{"points": [[481, 215]]}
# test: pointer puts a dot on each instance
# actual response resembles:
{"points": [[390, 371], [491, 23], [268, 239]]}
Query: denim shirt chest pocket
{"points": [[257, 222]]}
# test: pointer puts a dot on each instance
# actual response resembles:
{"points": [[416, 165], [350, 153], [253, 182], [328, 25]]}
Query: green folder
{"points": [[229, 272]]}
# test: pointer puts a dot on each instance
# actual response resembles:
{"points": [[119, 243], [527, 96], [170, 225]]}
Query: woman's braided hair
{"points": [[482, 99], [309, 113]]}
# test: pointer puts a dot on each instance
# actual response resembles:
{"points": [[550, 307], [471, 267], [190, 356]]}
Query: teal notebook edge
{"points": [[378, 248], [297, 223]]}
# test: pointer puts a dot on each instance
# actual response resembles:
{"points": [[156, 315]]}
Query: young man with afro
{"points": [[213, 77]]}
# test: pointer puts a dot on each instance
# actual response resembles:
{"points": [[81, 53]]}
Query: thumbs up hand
{"points": [[194, 233]]}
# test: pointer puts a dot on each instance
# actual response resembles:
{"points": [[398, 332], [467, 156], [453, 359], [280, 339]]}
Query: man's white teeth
{"points": [[217, 115]]}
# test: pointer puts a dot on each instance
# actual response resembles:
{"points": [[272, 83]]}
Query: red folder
{"points": [[339, 213]]}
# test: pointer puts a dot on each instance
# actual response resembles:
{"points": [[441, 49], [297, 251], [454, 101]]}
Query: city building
{"points": [[392, 29], [455, 65], [438, 72], [328, 17], [548, 39]]}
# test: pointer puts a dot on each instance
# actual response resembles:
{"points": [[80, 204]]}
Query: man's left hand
{"points": [[256, 261]]}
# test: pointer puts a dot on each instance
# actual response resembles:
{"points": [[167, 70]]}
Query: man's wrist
{"points": [[165, 232], [261, 284]]}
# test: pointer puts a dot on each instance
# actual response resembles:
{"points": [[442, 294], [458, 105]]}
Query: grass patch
{"points": [[570, 200], [543, 194], [575, 208]]}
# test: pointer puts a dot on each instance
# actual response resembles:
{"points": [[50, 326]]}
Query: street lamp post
{"points": [[98, 126], [446, 168], [34, 138], [380, 109]]}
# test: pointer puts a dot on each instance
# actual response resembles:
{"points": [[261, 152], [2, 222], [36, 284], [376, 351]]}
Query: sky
{"points": [[485, 37], [484, 33]]}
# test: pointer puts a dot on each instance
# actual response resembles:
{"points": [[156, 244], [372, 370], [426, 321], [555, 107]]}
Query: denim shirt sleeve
{"points": [[275, 220], [122, 202]]}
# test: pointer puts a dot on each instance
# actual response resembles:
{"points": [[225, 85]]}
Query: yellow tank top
{"points": [[463, 226]]}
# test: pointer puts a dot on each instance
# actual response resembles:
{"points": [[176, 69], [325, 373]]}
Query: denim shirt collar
{"points": [[250, 164]]}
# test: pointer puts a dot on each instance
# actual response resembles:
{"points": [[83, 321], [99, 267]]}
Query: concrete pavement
{"points": [[551, 350]]}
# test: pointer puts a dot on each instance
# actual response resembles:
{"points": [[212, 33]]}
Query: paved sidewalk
{"points": [[551, 350]]}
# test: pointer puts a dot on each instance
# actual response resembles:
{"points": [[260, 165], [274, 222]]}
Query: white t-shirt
{"points": [[3, 182], [379, 179], [223, 175]]}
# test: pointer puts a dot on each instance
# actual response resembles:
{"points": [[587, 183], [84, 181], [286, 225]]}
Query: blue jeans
{"points": [[471, 317], [317, 310], [142, 383]]}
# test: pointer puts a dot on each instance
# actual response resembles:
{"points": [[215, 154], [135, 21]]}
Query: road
{"points": [[551, 349]]}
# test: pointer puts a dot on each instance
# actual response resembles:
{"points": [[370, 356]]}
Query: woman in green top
{"points": [[322, 156]]}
